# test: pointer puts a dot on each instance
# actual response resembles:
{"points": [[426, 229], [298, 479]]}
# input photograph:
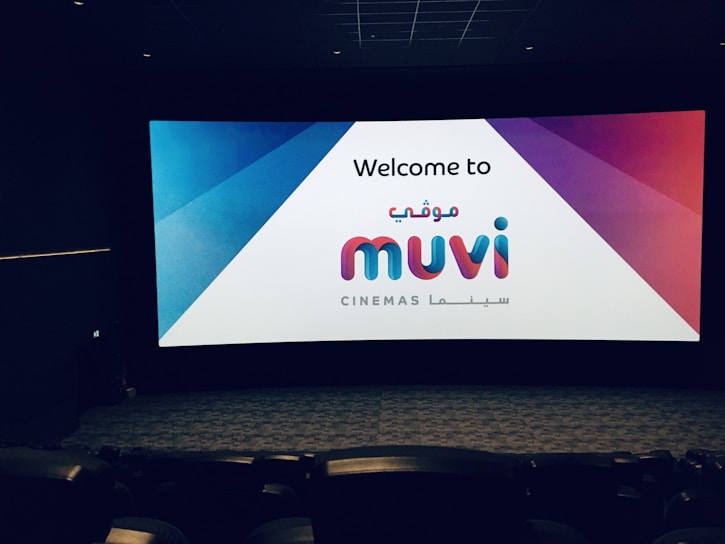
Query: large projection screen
{"points": [[550, 228]]}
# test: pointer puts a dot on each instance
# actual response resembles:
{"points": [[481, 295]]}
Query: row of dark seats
{"points": [[401, 494]]}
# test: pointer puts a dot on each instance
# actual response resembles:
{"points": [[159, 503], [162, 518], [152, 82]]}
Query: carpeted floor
{"points": [[492, 418]]}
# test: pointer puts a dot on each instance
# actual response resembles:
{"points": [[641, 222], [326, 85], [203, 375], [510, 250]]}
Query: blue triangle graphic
{"points": [[196, 242]]}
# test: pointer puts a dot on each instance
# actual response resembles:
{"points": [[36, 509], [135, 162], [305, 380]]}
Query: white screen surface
{"points": [[581, 228]]}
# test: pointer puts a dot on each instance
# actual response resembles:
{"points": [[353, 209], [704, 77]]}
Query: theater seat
{"points": [[700, 502], [207, 495], [54, 496], [69, 496], [299, 531], [603, 495], [415, 494], [694, 535], [294, 530], [212, 495], [695, 508], [540, 531], [132, 530]]}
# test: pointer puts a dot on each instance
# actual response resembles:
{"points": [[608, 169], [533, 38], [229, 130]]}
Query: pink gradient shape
{"points": [[654, 224], [663, 150]]}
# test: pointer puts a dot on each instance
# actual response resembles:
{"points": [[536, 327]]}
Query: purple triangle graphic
{"points": [[658, 237]]}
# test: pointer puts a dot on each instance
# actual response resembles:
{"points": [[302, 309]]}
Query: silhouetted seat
{"points": [[414, 494], [299, 531], [207, 495], [143, 531], [701, 500], [69, 496], [694, 535], [539, 531], [701, 454], [659, 467], [605, 496], [713, 473], [285, 477], [211, 495], [54, 496], [699, 507], [293, 530], [703, 469], [394, 494]]}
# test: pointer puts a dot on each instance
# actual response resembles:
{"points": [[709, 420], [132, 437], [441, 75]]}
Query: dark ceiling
{"points": [[321, 34]]}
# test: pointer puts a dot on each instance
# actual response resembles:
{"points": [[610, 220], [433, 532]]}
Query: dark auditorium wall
{"points": [[56, 193]]}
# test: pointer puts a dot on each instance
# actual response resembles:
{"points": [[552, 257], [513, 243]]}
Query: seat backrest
{"points": [[414, 494], [207, 495], [603, 495], [54, 495]]}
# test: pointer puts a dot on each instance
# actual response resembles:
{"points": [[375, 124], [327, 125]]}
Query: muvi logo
{"points": [[469, 262]]}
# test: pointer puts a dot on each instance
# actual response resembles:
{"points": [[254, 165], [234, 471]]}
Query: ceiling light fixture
{"points": [[147, 55], [78, 2], [529, 47], [336, 52]]}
